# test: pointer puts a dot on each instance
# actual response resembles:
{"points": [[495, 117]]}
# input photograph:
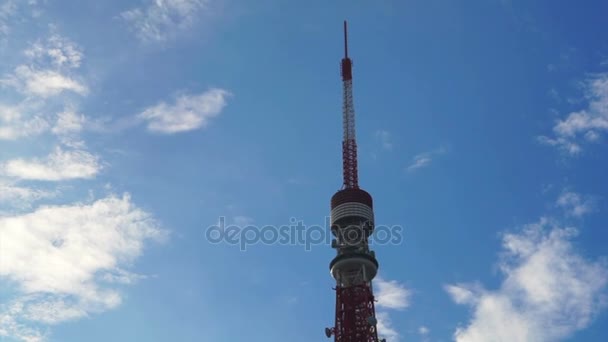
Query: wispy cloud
{"points": [[20, 196], [81, 249], [575, 204], [390, 295], [41, 78], [12, 11], [462, 294], [425, 159], [59, 165], [585, 125], [21, 120], [47, 74], [549, 291], [120, 276], [385, 139], [68, 126], [162, 19], [189, 112], [385, 327], [68, 121], [7, 10], [56, 50], [422, 330], [420, 161], [44, 83]]}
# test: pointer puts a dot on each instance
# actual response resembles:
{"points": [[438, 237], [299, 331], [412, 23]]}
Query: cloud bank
{"points": [[81, 250], [548, 293]]}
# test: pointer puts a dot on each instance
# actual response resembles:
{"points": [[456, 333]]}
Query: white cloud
{"points": [[120, 276], [30, 118], [56, 50], [189, 112], [424, 159], [162, 19], [76, 247], [59, 165], [549, 290], [52, 310], [45, 75], [574, 204], [21, 197], [7, 9], [68, 121], [587, 123], [10, 327], [424, 332], [461, 294], [565, 144], [391, 294], [385, 139], [43, 82], [21, 120], [420, 161], [68, 126], [15, 11], [385, 327], [82, 251]]}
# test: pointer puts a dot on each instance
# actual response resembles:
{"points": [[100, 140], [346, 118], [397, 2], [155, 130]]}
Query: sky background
{"points": [[127, 128]]}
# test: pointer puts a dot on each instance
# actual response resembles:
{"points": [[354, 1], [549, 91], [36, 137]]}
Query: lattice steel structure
{"points": [[352, 223]]}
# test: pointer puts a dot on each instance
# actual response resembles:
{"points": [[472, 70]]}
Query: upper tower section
{"points": [[349, 143]]}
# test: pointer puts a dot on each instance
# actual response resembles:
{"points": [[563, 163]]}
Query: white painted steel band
{"points": [[352, 209]]}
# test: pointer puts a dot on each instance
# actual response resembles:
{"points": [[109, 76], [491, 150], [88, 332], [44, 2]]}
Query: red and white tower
{"points": [[352, 223]]}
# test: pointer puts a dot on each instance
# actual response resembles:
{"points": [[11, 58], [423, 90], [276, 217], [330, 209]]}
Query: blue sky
{"points": [[127, 128]]}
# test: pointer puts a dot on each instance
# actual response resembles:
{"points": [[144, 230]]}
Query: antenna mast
{"points": [[349, 143]]}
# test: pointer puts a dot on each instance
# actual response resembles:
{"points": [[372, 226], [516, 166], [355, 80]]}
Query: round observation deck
{"points": [[352, 208], [350, 268]]}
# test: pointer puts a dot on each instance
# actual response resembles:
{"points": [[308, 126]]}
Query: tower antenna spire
{"points": [[345, 40]]}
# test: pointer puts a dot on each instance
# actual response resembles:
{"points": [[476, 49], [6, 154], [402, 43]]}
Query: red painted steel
{"points": [[349, 144], [354, 307]]}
